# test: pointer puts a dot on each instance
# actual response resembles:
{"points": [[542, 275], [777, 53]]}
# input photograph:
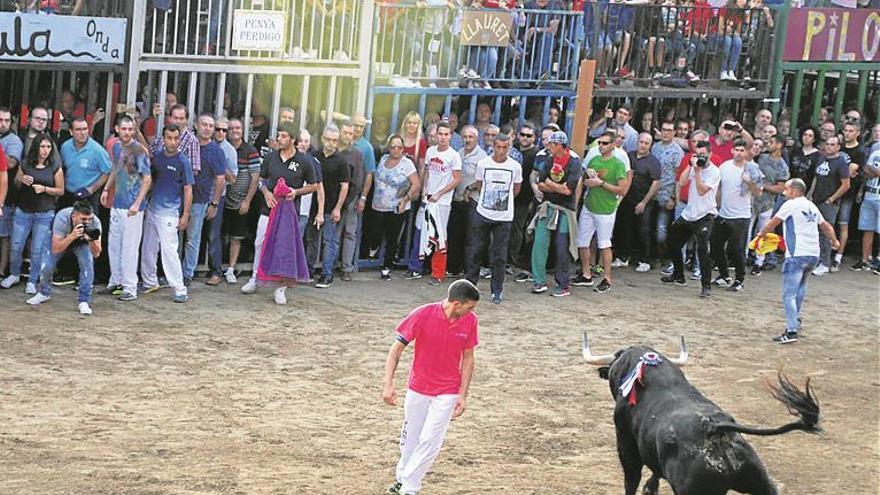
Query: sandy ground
{"points": [[231, 394]]}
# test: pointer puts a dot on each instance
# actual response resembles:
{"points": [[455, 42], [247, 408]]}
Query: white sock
{"points": [[838, 257]]}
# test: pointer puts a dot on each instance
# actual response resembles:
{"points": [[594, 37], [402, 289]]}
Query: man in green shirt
{"points": [[605, 176]]}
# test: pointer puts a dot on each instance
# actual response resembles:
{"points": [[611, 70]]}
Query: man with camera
{"points": [[78, 229], [697, 218], [722, 143]]}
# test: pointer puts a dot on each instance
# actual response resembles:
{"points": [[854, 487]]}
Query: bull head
{"points": [[609, 358]]}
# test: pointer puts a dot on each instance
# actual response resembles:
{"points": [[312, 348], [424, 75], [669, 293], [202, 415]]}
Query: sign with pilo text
{"points": [[259, 30], [833, 35], [485, 28], [39, 37]]}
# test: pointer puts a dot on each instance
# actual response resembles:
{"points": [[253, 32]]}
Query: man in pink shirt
{"points": [[443, 364]]}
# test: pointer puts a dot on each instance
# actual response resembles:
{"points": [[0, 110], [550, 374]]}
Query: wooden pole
{"points": [[584, 106]]}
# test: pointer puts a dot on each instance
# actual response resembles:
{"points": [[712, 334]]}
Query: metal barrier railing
{"points": [[311, 30], [679, 45], [422, 45]]}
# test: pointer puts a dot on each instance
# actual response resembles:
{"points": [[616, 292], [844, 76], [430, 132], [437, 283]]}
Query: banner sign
{"points": [[260, 30], [833, 35], [485, 28], [62, 38]]}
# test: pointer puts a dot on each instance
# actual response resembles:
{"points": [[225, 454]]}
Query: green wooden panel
{"points": [[841, 95], [817, 97], [797, 91]]}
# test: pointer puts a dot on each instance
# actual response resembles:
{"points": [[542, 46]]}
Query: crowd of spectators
{"points": [[437, 199]]}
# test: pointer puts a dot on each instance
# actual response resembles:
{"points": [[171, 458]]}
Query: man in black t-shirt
{"points": [[856, 153], [336, 174], [831, 183], [519, 255], [637, 208], [298, 172]]}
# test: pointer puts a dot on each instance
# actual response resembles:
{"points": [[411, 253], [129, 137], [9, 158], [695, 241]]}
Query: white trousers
{"points": [[262, 225], [161, 235], [425, 422], [123, 248]]}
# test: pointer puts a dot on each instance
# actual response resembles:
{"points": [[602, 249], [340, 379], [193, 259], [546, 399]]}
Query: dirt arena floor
{"points": [[231, 394]]}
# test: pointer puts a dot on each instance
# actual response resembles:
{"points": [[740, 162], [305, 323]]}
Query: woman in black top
{"points": [[41, 181], [805, 158]]}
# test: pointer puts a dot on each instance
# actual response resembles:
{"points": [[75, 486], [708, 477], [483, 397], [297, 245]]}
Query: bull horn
{"points": [[682, 356], [595, 360]]}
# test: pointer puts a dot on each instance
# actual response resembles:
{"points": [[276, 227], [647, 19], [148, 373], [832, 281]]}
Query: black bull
{"points": [[684, 437]]}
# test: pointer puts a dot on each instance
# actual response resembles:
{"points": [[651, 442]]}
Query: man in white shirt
{"points": [[734, 215], [442, 174], [801, 221], [498, 181], [696, 219]]}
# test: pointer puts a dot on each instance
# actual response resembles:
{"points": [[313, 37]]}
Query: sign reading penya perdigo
{"points": [[485, 28]]}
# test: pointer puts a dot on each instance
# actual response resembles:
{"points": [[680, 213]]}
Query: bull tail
{"points": [[800, 403]]}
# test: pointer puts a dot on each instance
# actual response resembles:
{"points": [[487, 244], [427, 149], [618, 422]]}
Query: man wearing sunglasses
{"points": [[215, 242], [523, 202]]}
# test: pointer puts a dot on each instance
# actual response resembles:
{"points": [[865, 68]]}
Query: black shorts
{"points": [[235, 224]]}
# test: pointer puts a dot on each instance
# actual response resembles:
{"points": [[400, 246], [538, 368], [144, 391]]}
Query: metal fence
{"points": [[418, 45], [678, 46], [313, 30]]}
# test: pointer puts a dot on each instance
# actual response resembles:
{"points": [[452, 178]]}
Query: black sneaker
{"points": [[736, 286], [324, 282], [109, 290], [756, 271], [671, 279], [62, 280], [861, 265], [386, 274], [723, 281], [523, 277], [706, 291], [786, 338], [413, 275], [394, 489], [603, 287], [582, 281]]}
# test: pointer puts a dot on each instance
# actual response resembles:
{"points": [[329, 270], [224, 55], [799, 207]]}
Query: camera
{"points": [[92, 234], [702, 162]]}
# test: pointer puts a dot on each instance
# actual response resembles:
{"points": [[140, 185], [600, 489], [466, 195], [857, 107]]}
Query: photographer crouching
{"points": [[77, 229], [697, 218]]}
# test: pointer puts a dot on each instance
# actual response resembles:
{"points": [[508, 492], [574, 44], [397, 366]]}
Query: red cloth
{"points": [[724, 151], [410, 151], [497, 4], [439, 344], [698, 19], [4, 163]]}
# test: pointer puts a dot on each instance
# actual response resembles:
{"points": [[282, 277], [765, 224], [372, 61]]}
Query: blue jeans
{"points": [[330, 245], [795, 271], [193, 239], [39, 227], [215, 241], [664, 219], [484, 60], [730, 52], [86, 271], [542, 51]]}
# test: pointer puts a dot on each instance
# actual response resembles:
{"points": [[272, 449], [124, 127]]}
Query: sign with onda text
{"points": [[38, 37], [260, 30]]}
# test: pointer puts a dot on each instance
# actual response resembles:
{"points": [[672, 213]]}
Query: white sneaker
{"points": [[619, 263], [281, 296], [249, 287], [37, 299], [725, 76], [30, 288], [9, 281], [820, 270], [731, 76], [84, 308], [643, 268], [230, 276]]}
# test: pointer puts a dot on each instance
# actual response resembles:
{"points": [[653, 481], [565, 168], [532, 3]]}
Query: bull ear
{"points": [[595, 360], [682, 355], [603, 372]]}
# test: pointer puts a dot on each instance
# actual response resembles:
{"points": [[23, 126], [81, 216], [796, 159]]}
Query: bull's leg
{"points": [[630, 460], [652, 485]]}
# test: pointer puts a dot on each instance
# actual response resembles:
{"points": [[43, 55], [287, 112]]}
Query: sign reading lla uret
{"points": [[833, 35], [258, 30], [485, 28]]}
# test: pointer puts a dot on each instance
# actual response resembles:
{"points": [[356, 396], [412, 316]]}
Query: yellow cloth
{"points": [[768, 244]]}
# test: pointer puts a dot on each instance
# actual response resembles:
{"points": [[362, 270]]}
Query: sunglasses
{"points": [[604, 143], [221, 129], [523, 134]]}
